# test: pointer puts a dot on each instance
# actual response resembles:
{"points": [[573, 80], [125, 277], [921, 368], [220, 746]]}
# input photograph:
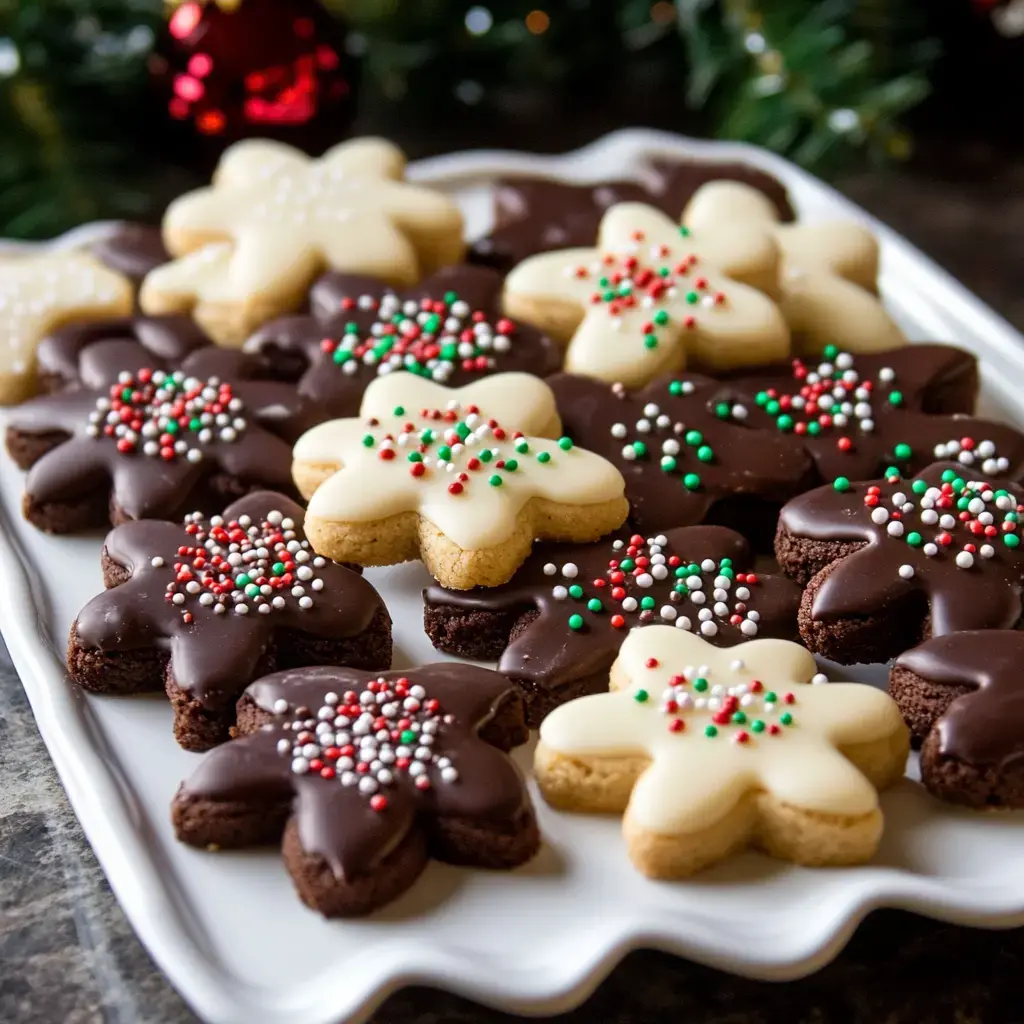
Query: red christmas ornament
{"points": [[232, 69]]}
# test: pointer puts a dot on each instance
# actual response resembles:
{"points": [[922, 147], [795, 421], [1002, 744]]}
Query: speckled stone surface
{"points": [[68, 956]]}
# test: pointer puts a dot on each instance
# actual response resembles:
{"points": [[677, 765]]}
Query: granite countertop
{"points": [[69, 955]]}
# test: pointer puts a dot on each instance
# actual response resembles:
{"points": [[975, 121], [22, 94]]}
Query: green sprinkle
{"points": [[772, 407], [449, 352], [171, 427], [277, 568], [902, 451], [565, 443], [710, 731], [668, 464], [650, 341], [342, 355], [739, 718], [511, 465], [891, 471], [725, 562], [691, 481], [575, 621], [641, 696], [351, 327], [700, 684], [895, 397], [444, 452], [486, 455], [494, 481], [722, 410], [841, 484], [705, 453], [427, 437], [757, 725], [575, 591], [831, 351], [521, 446], [692, 298], [919, 487], [367, 440], [685, 232], [693, 437], [627, 565], [543, 457], [640, 448], [594, 605], [647, 602], [675, 388], [414, 457], [784, 422], [786, 718], [814, 428], [462, 430], [450, 297], [948, 476], [608, 296], [761, 398], [242, 579], [252, 590], [1011, 540], [194, 424], [661, 318], [399, 410], [770, 697]]}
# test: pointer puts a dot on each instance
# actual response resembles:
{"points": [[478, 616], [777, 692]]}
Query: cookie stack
{"points": [[586, 433]]}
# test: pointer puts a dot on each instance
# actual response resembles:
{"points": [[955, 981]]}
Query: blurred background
{"points": [[110, 107]]}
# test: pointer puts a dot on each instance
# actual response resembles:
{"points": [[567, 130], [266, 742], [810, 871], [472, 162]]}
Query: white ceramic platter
{"points": [[227, 928]]}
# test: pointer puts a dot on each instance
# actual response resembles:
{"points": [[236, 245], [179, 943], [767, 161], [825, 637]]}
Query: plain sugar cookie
{"points": [[652, 295], [250, 245], [434, 473], [829, 274], [708, 751]]}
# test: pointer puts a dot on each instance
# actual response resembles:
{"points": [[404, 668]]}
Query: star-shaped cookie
{"points": [[249, 246], [890, 562], [200, 608], [682, 463], [706, 752], [558, 624], [464, 479], [448, 329], [829, 274], [364, 798], [651, 295], [857, 415]]}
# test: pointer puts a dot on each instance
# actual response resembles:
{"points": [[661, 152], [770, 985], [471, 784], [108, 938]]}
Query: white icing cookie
{"points": [[431, 472], [829, 271], [38, 294], [651, 294], [709, 749], [250, 245]]}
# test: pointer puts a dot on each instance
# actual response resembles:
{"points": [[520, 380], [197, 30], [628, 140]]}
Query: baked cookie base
{"points": [[493, 844]]}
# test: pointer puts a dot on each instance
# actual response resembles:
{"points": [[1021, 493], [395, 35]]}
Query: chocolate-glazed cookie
{"points": [[963, 698], [891, 562], [131, 249], [151, 425], [364, 798], [684, 465], [857, 415], [93, 355], [557, 625], [449, 328], [202, 608], [535, 215]]}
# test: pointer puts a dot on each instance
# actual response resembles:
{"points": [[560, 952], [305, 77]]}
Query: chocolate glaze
{"points": [[535, 215], [132, 249], [145, 486], [336, 822], [985, 727], [213, 652], [91, 355], [755, 464], [292, 346], [548, 653], [923, 375], [867, 582]]}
